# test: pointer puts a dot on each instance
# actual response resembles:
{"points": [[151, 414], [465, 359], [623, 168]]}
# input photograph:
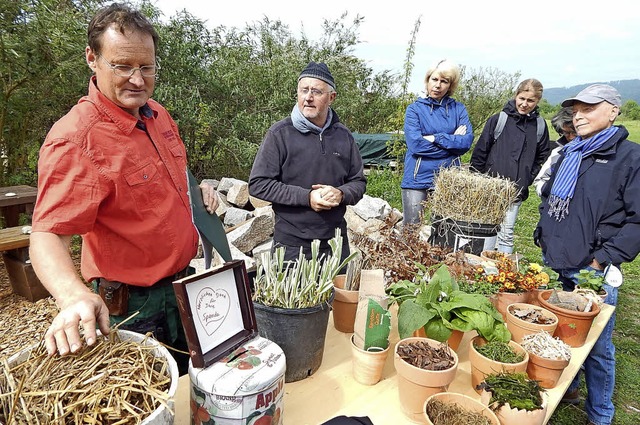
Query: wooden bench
{"points": [[13, 238]]}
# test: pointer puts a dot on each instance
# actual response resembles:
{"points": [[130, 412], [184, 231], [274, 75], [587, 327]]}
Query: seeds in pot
{"points": [[422, 355]]}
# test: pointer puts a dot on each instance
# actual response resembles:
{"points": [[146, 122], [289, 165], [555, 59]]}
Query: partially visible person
{"points": [[562, 122], [309, 167], [590, 219], [437, 131], [113, 170], [517, 153]]}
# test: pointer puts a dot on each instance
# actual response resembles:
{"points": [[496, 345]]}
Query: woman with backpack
{"points": [[437, 131], [514, 144]]}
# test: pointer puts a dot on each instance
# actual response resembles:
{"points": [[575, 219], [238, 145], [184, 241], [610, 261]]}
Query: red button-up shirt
{"points": [[122, 188]]}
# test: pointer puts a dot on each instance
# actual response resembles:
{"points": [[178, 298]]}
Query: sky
{"points": [[562, 43]]}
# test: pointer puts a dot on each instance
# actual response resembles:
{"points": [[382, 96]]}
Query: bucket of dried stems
{"points": [[467, 209], [125, 378]]}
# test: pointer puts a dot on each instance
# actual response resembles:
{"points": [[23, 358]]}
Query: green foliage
{"points": [[302, 283], [516, 389], [396, 145], [384, 183], [484, 92], [499, 351], [438, 306], [631, 110], [587, 279], [42, 74]]}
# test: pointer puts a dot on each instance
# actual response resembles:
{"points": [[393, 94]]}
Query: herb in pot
{"points": [[499, 351], [516, 389]]}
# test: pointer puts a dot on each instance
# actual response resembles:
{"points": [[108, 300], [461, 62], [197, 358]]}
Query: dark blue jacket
{"points": [[604, 214], [289, 162], [516, 155], [424, 117]]}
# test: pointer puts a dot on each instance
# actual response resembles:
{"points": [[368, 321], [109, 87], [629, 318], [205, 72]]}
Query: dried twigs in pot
{"points": [[116, 381]]}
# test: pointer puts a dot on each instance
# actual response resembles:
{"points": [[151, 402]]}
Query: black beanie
{"points": [[318, 70]]}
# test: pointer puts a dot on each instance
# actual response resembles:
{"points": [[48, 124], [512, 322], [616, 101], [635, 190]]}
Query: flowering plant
{"points": [[508, 275]]}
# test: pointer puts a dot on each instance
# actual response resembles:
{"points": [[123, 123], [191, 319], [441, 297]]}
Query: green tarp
{"points": [[373, 148]]}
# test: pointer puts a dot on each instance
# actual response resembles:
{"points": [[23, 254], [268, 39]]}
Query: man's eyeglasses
{"points": [[314, 92], [127, 71]]}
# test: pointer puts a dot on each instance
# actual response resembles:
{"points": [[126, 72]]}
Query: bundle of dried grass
{"points": [[462, 195], [116, 381]]}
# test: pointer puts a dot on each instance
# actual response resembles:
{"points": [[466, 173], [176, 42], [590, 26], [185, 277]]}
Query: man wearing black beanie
{"points": [[309, 167]]}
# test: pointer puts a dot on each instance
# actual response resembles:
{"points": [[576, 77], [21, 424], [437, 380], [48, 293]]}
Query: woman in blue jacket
{"points": [[437, 131]]}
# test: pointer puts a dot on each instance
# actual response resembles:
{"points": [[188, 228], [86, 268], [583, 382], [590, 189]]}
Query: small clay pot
{"points": [[463, 401], [344, 306], [508, 415], [520, 328], [415, 385], [502, 300], [546, 371], [573, 326], [482, 366], [368, 365]]}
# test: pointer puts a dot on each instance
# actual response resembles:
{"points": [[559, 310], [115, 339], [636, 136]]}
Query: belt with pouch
{"points": [[116, 294]]}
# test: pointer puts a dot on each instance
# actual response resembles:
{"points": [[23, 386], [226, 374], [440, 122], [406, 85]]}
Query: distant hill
{"points": [[629, 90]]}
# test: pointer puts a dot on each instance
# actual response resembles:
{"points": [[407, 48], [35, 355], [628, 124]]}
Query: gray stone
{"points": [[235, 216], [249, 235]]}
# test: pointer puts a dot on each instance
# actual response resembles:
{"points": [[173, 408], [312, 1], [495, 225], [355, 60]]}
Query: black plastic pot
{"points": [[469, 237], [299, 332]]}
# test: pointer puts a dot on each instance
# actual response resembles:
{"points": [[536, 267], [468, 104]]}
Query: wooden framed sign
{"points": [[216, 311]]}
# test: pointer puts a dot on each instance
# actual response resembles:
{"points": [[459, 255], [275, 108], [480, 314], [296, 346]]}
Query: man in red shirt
{"points": [[114, 171]]}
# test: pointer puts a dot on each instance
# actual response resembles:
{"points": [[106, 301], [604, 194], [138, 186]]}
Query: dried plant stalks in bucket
{"points": [[462, 195], [116, 381]]}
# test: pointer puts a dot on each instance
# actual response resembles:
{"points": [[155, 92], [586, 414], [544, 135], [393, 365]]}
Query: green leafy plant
{"points": [[588, 279], [500, 351], [438, 306], [516, 389], [302, 283]]}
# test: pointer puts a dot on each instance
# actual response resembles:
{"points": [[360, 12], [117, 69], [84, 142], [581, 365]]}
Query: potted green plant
{"points": [[487, 357], [591, 283], [514, 398], [292, 301], [437, 305]]}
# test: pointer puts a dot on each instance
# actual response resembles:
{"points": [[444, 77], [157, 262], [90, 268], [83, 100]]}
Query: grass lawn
{"points": [[386, 185]]}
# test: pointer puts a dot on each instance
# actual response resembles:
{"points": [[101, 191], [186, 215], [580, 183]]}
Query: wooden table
{"points": [[332, 391], [12, 206]]}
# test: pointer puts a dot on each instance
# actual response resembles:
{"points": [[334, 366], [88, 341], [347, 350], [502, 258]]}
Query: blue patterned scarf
{"points": [[565, 182], [303, 125]]}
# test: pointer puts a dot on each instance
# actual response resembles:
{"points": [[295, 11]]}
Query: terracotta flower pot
{"points": [[573, 326], [482, 366], [368, 365], [519, 328], [508, 415], [546, 371], [502, 300], [464, 402], [415, 385], [344, 306], [453, 340]]}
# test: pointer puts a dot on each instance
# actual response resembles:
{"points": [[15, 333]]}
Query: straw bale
{"points": [[462, 195]]}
